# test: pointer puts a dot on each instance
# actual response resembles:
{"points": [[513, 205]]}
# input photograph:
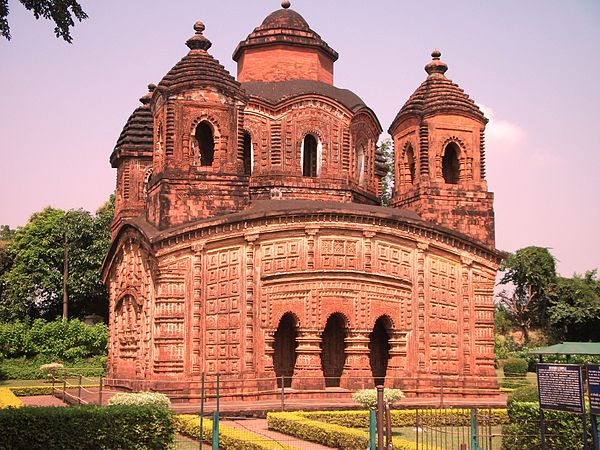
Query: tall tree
{"points": [[574, 312], [531, 272], [61, 12], [57, 258]]}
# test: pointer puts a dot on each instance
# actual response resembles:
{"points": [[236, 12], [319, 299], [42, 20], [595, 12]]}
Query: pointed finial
{"points": [[198, 41], [285, 4], [148, 97], [436, 66]]}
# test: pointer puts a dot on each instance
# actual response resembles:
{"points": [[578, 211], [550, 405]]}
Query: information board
{"points": [[560, 387], [594, 388]]}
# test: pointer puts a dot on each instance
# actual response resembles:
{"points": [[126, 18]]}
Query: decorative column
{"points": [[357, 370], [369, 235], [396, 369], [423, 344], [250, 342], [308, 372], [196, 328], [466, 327]]}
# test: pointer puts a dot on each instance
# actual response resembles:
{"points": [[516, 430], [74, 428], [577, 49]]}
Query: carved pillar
{"points": [[357, 370], [197, 344], [308, 372], [423, 342], [250, 341], [396, 369], [311, 232], [369, 235], [467, 324]]}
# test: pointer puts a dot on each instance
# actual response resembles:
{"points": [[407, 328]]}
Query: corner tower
{"points": [[440, 157], [198, 168]]}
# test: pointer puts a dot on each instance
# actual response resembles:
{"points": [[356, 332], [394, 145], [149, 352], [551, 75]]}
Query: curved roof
{"points": [[199, 69], [284, 26], [136, 138], [279, 91], [438, 95]]}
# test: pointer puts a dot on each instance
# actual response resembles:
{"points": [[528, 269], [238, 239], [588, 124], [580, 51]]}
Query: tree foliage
{"points": [[387, 183], [531, 271], [61, 12], [574, 313], [33, 285]]}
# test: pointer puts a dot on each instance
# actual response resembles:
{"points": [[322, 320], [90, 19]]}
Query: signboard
{"points": [[560, 387], [594, 388]]}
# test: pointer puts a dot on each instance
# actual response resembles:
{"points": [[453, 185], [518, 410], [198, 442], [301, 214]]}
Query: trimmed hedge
{"points": [[404, 417], [524, 394], [514, 382], [313, 426], [229, 438], [515, 367], [87, 427], [563, 430], [29, 368], [8, 399], [22, 391]]}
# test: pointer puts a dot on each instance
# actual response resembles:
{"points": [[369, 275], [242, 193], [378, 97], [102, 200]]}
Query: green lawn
{"points": [[450, 438]]}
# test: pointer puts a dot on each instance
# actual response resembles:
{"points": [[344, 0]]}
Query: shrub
{"points": [[8, 399], [21, 391], [51, 370], [515, 367], [89, 427], [29, 368], [140, 399], [514, 383], [524, 394], [229, 438], [368, 397], [563, 430]]}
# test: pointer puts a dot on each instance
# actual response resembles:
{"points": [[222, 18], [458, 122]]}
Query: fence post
{"points": [[64, 396], [215, 431], [79, 391], [201, 411], [388, 428], [372, 430], [100, 391], [282, 393], [474, 442], [379, 417], [417, 427]]}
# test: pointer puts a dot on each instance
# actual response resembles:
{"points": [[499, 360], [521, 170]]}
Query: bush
{"points": [[8, 399], [368, 397], [563, 430], [524, 394], [87, 427], [140, 399], [29, 368], [57, 340], [514, 383], [515, 367], [229, 438], [51, 370]]}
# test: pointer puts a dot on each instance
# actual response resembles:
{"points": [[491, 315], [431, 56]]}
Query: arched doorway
{"points": [[379, 346], [333, 349], [284, 357], [450, 165]]}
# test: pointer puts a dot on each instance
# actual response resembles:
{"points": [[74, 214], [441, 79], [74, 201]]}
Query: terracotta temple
{"points": [[249, 239]]}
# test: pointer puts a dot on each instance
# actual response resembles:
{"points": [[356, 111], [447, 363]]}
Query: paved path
{"points": [[259, 426], [41, 400]]}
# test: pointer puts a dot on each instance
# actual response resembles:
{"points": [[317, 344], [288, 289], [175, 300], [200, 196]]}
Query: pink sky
{"points": [[531, 65]]}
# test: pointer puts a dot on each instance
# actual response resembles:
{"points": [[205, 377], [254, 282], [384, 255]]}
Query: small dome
{"points": [[199, 69], [438, 95], [284, 26]]}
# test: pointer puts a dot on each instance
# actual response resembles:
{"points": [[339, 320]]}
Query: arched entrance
{"points": [[379, 346], [333, 355], [284, 357]]}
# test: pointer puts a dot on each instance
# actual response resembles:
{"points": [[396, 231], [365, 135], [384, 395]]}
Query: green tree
{"points": [[6, 235], [531, 272], [61, 12], [386, 147], [56, 260], [574, 313]]}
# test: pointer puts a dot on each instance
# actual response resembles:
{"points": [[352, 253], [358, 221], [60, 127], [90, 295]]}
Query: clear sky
{"points": [[531, 65]]}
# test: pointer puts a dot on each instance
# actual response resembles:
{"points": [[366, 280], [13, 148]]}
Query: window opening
{"points": [[309, 153], [450, 166], [206, 144], [248, 159]]}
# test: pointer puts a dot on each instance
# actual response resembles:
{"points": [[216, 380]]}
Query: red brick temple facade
{"points": [[249, 239]]}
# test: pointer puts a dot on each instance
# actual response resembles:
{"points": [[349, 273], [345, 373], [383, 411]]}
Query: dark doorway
{"points": [[309, 163], [333, 356], [450, 166], [379, 346], [206, 143], [247, 154], [284, 358]]}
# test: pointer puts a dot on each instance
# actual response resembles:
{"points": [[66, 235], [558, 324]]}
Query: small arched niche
{"points": [[206, 143], [248, 154], [450, 165], [333, 349], [360, 163], [284, 346], [409, 160], [310, 156], [379, 349]]}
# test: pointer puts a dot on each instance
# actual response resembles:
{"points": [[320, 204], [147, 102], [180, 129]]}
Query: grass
{"points": [[449, 438]]}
